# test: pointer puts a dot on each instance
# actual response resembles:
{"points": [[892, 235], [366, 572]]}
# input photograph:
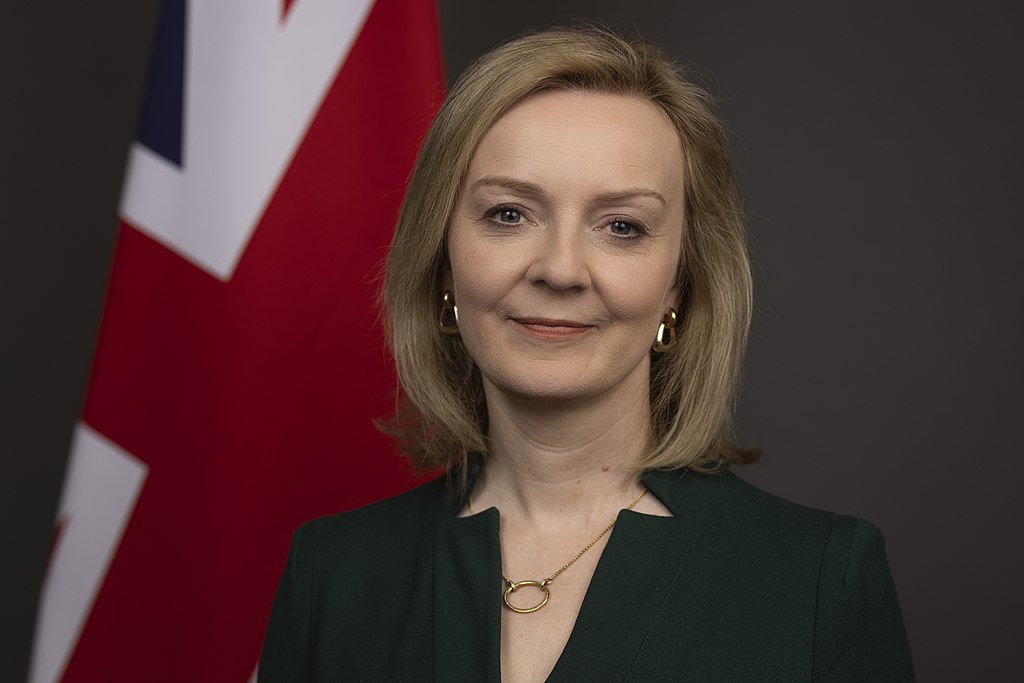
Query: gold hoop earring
{"points": [[666, 336], [448, 321]]}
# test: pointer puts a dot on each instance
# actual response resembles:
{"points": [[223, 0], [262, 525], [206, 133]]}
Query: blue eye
{"points": [[623, 228], [507, 215]]}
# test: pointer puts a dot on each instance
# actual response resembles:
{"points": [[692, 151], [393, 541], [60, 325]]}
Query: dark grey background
{"points": [[880, 153]]}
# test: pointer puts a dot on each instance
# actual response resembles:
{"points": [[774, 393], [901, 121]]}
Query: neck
{"points": [[550, 458]]}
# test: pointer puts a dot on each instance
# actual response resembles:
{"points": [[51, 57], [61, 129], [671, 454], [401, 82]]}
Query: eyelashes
{"points": [[621, 228], [624, 228], [505, 214]]}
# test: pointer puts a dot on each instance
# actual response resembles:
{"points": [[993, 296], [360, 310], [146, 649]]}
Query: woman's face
{"points": [[565, 244]]}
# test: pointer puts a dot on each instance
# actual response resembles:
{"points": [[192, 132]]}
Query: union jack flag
{"points": [[239, 365]]}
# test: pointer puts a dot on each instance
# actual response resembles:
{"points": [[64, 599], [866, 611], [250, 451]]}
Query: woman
{"points": [[567, 298]]}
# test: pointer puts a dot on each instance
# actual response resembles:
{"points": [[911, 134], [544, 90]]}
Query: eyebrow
{"points": [[526, 187]]}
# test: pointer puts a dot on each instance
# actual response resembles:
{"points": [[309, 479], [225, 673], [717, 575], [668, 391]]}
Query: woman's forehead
{"points": [[603, 141]]}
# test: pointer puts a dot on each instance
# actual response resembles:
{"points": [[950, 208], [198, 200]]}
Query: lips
{"points": [[552, 328]]}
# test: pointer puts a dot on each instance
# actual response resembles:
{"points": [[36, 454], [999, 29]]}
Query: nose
{"points": [[559, 259]]}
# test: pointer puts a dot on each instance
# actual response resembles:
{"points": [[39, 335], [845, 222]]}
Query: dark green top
{"points": [[738, 585]]}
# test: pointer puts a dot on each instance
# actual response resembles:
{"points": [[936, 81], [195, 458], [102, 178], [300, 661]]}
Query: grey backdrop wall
{"points": [[879, 149]]}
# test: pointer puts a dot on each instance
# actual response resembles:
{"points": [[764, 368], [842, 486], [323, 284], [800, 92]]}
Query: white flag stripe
{"points": [[247, 109], [100, 489]]}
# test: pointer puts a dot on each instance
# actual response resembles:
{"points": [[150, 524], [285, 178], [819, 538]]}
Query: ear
{"points": [[447, 281], [674, 298]]}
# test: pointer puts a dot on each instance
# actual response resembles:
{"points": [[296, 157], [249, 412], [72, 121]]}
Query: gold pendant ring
{"points": [[513, 586]]}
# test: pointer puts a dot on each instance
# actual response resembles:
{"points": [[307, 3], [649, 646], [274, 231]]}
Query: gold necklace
{"points": [[543, 586]]}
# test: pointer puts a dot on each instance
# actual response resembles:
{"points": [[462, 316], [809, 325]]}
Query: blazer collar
{"points": [[644, 558]]}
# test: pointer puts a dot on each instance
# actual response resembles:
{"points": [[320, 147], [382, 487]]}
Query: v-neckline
{"points": [[643, 559]]}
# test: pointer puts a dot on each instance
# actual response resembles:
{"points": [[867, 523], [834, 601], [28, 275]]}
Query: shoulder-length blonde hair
{"points": [[441, 416]]}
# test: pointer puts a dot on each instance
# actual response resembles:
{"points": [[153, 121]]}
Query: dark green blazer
{"points": [[738, 585]]}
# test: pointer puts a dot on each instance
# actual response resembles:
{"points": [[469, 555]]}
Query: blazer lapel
{"points": [[467, 597], [645, 557]]}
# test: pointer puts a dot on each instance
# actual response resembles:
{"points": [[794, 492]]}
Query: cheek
{"points": [[640, 295], [474, 275], [481, 276]]}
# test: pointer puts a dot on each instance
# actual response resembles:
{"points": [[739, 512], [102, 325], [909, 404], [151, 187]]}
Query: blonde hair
{"points": [[441, 416]]}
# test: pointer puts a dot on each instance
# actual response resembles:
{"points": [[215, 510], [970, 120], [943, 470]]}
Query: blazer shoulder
{"points": [[859, 630], [340, 567], [842, 536], [744, 503], [389, 522], [858, 626], [827, 547]]}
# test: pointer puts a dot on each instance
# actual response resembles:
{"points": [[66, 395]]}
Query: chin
{"points": [[548, 387]]}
